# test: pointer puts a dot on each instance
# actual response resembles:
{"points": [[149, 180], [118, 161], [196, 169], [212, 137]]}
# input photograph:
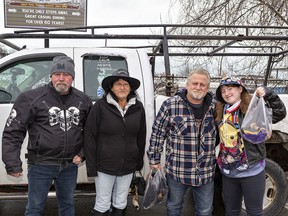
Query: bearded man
{"points": [[54, 116], [185, 123]]}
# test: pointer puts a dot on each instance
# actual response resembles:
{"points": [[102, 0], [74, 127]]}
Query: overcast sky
{"points": [[111, 12], [128, 11]]}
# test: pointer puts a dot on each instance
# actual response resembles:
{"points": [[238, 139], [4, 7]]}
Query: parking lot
{"points": [[85, 204]]}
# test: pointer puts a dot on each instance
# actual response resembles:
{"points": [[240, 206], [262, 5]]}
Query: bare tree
{"points": [[232, 13]]}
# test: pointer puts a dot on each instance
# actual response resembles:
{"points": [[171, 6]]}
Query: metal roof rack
{"points": [[218, 37]]}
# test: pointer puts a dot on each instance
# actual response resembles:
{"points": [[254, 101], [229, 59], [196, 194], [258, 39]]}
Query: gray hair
{"points": [[202, 72]]}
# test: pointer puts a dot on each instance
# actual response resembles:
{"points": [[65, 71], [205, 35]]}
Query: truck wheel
{"points": [[276, 189]]}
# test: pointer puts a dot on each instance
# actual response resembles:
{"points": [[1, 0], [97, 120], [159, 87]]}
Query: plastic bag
{"points": [[257, 123], [156, 189]]}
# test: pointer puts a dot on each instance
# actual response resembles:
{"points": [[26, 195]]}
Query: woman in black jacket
{"points": [[242, 163], [114, 142]]}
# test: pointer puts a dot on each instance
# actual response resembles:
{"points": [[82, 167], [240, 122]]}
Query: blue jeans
{"points": [[203, 197], [40, 178]]}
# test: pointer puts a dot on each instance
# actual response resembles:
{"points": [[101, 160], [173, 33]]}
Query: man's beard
{"points": [[61, 87], [197, 95]]}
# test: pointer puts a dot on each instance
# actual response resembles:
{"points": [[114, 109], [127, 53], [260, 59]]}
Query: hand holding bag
{"points": [[257, 123], [156, 189]]}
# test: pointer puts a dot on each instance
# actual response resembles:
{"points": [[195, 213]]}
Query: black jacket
{"points": [[114, 144], [54, 124]]}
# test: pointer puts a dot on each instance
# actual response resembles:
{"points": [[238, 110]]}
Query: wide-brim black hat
{"points": [[107, 82]]}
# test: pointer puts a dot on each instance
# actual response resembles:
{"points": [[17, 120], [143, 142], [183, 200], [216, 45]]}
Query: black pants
{"points": [[250, 188]]}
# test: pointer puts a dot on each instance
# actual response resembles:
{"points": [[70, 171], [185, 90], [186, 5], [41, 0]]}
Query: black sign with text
{"points": [[45, 13]]}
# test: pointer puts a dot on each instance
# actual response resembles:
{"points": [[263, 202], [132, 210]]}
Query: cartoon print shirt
{"points": [[232, 155]]}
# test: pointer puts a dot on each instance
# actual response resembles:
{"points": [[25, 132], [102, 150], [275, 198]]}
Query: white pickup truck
{"points": [[29, 68]]}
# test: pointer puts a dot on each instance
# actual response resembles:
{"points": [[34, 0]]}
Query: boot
{"points": [[118, 212], [97, 213]]}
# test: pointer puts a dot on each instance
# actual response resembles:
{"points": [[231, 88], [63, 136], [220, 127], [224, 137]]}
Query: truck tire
{"points": [[276, 189]]}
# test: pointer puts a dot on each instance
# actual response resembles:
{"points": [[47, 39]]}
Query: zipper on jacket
{"points": [[65, 121]]}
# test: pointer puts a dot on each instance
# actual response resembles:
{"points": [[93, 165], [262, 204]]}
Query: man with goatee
{"points": [[54, 116], [186, 125]]}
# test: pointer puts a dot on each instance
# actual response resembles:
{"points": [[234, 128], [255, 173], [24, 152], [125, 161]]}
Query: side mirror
{"points": [[5, 96]]}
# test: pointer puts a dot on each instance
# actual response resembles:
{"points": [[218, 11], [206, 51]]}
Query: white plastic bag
{"points": [[257, 123], [156, 189]]}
